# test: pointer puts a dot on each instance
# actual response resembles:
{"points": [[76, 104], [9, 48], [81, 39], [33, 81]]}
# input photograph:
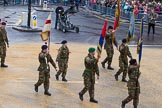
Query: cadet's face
{"points": [[110, 30], [45, 50], [93, 53], [136, 63], [3, 26]]}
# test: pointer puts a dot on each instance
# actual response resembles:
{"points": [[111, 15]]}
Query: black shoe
{"points": [[93, 100], [64, 79], [116, 77], [47, 93], [3, 65], [103, 64], [135, 106], [124, 80], [80, 96], [123, 105], [57, 77], [36, 88], [110, 68]]}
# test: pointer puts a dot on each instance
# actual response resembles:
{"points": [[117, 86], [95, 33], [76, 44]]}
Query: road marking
{"points": [[20, 21]]}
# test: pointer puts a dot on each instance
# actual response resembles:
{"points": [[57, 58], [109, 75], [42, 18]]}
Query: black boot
{"points": [[103, 64], [3, 65], [124, 80], [116, 77], [57, 77], [36, 88], [64, 79], [135, 106], [110, 68], [123, 105], [81, 96], [47, 93], [93, 100]]}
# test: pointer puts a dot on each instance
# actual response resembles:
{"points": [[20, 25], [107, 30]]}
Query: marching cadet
{"points": [[91, 67], [110, 40], [133, 84], [3, 42], [62, 59], [123, 60], [44, 69]]}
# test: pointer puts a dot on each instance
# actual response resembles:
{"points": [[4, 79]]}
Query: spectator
{"points": [[5, 2], [152, 16], [58, 11]]}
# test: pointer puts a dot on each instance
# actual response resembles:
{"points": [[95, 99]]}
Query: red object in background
{"points": [[92, 1], [136, 11]]}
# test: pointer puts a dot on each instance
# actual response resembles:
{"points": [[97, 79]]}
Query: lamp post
{"points": [[29, 13]]}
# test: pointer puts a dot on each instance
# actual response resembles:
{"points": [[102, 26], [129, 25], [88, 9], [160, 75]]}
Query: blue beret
{"points": [[124, 40], [3, 23], [44, 47], [64, 42], [132, 61]]}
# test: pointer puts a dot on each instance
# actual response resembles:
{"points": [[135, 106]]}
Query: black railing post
{"points": [[29, 13]]}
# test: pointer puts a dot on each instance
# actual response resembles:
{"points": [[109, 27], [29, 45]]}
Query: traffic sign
{"points": [[45, 5], [34, 18]]}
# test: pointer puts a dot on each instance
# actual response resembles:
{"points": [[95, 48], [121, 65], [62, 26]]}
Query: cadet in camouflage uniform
{"points": [[91, 67], [123, 60], [110, 40], [62, 59], [3, 42], [133, 84], [44, 69]]}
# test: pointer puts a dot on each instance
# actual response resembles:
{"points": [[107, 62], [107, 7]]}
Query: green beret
{"points": [[91, 50]]}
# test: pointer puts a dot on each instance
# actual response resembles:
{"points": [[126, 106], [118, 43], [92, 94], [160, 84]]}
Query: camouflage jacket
{"points": [[124, 52], [110, 41], [91, 66], [133, 74], [44, 60], [63, 53], [3, 37]]}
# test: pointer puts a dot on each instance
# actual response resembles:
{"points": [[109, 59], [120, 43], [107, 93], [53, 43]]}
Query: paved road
{"points": [[12, 15], [17, 90], [90, 29]]}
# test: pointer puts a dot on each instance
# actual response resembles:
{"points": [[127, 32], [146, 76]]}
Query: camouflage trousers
{"points": [[63, 65], [109, 57], [3, 54], [43, 79], [88, 86], [123, 68], [134, 97]]}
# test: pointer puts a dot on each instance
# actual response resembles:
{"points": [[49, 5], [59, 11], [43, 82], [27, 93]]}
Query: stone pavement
{"points": [[17, 90]]}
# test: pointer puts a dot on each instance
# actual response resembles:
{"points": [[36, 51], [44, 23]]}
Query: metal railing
{"points": [[110, 12], [24, 2]]}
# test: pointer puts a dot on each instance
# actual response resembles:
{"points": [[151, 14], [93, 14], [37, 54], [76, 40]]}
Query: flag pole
{"points": [[49, 35]]}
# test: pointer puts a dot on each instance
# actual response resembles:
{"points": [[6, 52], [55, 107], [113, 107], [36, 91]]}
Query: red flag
{"points": [[46, 29]]}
